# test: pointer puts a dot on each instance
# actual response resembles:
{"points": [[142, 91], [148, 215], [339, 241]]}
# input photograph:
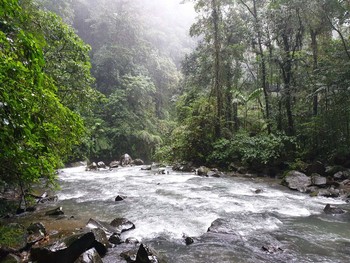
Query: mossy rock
{"points": [[314, 194], [13, 235]]}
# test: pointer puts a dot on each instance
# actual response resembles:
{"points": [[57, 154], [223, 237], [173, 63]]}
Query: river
{"points": [[165, 207]]}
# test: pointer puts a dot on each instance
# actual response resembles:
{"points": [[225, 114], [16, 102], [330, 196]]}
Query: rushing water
{"points": [[164, 207]]}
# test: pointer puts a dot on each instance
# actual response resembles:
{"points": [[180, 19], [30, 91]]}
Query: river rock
{"points": [[202, 171], [161, 170], [258, 191], [114, 164], [101, 164], [122, 224], [101, 242], [271, 249], [318, 180], [120, 198], [131, 240], [36, 231], [47, 199], [341, 175], [138, 162], [333, 210], [183, 167], [69, 254], [92, 166], [220, 226], [129, 256], [330, 192], [55, 212], [147, 168], [214, 173], [145, 254], [36, 228], [125, 159], [115, 239], [189, 240], [296, 181], [89, 256], [107, 228]]}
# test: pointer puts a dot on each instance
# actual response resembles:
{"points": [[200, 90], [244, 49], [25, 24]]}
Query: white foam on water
{"points": [[177, 203]]}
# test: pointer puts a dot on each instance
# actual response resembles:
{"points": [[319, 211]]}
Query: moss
{"points": [[12, 235], [314, 194]]}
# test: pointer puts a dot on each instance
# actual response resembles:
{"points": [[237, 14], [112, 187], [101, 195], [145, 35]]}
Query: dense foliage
{"points": [[38, 128], [268, 81]]}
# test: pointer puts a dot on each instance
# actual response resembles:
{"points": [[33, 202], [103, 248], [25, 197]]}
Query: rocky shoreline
{"points": [[52, 236]]}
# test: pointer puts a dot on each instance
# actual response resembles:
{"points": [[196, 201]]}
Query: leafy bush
{"points": [[252, 150]]}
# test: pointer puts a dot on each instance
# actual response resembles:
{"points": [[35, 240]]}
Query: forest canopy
{"points": [[260, 83]]}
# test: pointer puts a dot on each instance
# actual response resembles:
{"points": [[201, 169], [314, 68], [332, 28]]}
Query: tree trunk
{"points": [[217, 89], [263, 69], [314, 47], [287, 77]]}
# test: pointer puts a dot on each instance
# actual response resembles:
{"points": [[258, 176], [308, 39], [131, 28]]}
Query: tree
{"points": [[38, 131]]}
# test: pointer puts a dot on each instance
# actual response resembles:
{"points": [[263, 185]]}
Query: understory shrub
{"points": [[259, 150]]}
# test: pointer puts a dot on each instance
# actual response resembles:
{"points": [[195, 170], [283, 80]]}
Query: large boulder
{"points": [[318, 180], [69, 254], [202, 171], [125, 159], [297, 181]]}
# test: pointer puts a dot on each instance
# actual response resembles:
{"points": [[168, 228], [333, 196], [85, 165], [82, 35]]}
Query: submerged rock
{"points": [[147, 168], [131, 240], [271, 249], [333, 210], [189, 240], [115, 239], [120, 198]]}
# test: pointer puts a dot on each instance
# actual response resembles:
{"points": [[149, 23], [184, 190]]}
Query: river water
{"points": [[165, 207]]}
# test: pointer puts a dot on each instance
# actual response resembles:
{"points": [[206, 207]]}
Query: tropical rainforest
{"points": [[263, 83]]}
